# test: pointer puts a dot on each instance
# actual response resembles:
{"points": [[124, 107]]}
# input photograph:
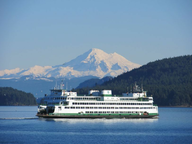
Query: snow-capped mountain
{"points": [[94, 62]]}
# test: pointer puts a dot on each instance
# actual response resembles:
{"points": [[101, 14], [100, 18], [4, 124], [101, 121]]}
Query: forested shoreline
{"points": [[14, 97], [169, 81]]}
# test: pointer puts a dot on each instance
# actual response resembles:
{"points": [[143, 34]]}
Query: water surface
{"points": [[18, 124]]}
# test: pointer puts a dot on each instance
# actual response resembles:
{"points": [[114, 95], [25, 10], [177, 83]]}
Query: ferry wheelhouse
{"points": [[64, 104]]}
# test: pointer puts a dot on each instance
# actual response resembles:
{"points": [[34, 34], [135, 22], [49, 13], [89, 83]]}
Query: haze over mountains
{"points": [[94, 62]]}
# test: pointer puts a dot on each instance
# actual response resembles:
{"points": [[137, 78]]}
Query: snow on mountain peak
{"points": [[95, 55], [94, 62]]}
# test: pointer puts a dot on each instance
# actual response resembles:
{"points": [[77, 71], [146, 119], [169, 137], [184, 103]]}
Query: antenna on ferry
{"points": [[61, 86], [55, 85], [66, 85], [131, 89]]}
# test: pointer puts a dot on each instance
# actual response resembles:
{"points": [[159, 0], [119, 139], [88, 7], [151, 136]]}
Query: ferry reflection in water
{"points": [[103, 120]]}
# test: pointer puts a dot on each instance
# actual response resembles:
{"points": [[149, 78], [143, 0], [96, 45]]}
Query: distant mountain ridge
{"points": [[94, 62]]}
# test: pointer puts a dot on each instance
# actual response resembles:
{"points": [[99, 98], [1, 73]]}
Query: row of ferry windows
{"points": [[64, 98], [86, 98], [109, 107], [112, 103], [113, 112]]}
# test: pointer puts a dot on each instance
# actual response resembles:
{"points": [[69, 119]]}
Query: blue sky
{"points": [[49, 32]]}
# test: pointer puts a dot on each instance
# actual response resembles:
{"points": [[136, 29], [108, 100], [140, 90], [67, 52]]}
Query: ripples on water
{"points": [[20, 125]]}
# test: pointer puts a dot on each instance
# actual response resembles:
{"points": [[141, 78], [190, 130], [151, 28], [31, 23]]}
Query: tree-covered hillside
{"points": [[10, 96], [169, 81]]}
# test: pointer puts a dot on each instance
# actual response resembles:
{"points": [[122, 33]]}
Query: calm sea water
{"points": [[19, 125]]}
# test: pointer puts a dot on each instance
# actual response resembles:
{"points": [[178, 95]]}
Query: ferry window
{"points": [[116, 107], [95, 112], [95, 107], [77, 107], [100, 107], [104, 107], [91, 112], [82, 107], [91, 107], [100, 112], [112, 107], [104, 112], [66, 107]]}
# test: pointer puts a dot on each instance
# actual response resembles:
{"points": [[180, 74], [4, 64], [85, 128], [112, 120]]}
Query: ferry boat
{"points": [[67, 104]]}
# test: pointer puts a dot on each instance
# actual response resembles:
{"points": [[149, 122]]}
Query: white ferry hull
{"points": [[93, 116]]}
